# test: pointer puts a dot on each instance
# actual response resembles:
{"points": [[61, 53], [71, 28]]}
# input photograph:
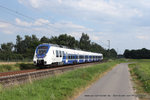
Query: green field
{"points": [[141, 72], [15, 67], [60, 87]]}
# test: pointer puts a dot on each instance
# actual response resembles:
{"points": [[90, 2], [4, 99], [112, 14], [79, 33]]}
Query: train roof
{"points": [[65, 47]]}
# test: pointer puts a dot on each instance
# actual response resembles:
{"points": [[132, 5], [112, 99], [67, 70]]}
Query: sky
{"points": [[126, 23]]}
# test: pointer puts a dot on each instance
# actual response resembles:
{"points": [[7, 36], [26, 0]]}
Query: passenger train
{"points": [[49, 54]]}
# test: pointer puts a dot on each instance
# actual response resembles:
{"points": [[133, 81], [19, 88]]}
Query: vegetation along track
{"points": [[19, 77]]}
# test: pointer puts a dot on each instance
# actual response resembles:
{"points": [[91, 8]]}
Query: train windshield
{"points": [[42, 50]]}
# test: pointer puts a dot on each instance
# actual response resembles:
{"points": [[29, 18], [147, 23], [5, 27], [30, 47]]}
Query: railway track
{"points": [[25, 76]]}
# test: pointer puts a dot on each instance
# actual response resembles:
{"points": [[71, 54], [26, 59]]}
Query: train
{"points": [[53, 54]]}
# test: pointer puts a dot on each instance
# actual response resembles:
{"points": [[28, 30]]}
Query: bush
{"points": [[24, 66]]}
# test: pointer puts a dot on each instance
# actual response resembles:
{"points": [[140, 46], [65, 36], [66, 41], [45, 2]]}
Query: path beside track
{"points": [[115, 85]]}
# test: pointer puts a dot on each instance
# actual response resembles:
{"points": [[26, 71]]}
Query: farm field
{"points": [[140, 72], [60, 87]]}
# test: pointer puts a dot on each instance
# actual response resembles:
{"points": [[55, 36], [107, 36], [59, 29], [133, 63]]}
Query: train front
{"points": [[40, 56]]}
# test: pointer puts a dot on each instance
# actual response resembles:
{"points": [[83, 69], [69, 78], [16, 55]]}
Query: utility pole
{"points": [[108, 44], [108, 48]]}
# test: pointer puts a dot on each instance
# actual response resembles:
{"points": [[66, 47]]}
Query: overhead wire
{"points": [[18, 13]]}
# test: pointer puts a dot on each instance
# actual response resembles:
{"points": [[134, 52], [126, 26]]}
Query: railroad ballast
{"points": [[49, 54]]}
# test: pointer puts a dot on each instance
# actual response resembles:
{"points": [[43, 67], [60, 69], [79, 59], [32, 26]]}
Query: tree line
{"points": [[137, 54], [25, 48]]}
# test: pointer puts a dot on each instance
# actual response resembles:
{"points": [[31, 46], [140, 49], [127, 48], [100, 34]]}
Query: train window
{"points": [[68, 56], [86, 57], [63, 53], [57, 55], [80, 57], [71, 57], [76, 56], [60, 55]]}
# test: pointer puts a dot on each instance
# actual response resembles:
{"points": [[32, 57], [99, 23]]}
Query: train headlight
{"points": [[34, 62]]}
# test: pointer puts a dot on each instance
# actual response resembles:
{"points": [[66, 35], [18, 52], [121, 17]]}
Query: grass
{"points": [[140, 72], [17, 66], [6, 68], [61, 87]]}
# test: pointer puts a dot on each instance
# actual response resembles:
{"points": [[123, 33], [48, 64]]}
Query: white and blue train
{"points": [[49, 54]]}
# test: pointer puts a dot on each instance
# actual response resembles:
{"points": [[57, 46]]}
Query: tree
{"points": [[19, 45], [84, 42], [113, 53], [7, 47], [67, 40], [127, 54], [44, 40], [94, 47], [25, 47], [137, 54], [54, 40]]}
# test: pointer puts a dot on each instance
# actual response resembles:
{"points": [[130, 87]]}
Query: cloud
{"points": [[7, 28], [107, 7], [32, 3], [142, 37], [41, 21], [22, 23], [38, 22], [63, 26], [43, 26], [35, 3]]}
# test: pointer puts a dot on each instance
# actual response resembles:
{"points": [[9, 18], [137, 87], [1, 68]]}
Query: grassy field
{"points": [[61, 87], [17, 66], [141, 75]]}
